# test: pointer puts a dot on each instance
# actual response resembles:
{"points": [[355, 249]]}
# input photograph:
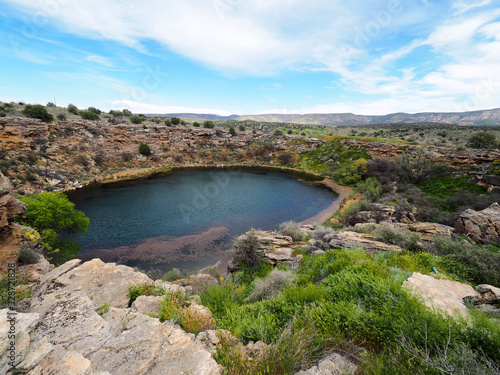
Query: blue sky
{"points": [[253, 56]]}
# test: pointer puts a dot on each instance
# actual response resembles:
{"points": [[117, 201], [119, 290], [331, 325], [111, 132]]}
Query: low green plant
{"points": [[103, 309], [144, 149], [37, 111], [292, 229]]}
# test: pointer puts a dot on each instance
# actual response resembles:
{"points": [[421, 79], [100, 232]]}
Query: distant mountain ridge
{"points": [[482, 117]]}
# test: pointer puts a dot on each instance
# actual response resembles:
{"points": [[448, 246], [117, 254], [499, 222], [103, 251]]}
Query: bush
{"points": [[94, 110], [292, 229], [127, 113], [50, 104], [144, 149], [278, 132], [27, 254], [242, 128], [175, 120], [286, 158], [136, 119], [196, 124], [127, 156], [403, 238], [208, 124], [245, 250], [232, 131], [55, 218], [37, 111], [483, 139], [61, 117], [73, 109], [89, 115], [272, 285]]}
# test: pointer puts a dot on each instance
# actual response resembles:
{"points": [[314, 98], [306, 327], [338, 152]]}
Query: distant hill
{"points": [[485, 117], [195, 116], [479, 118]]}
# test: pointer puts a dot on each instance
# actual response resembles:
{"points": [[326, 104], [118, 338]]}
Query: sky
{"points": [[253, 56]]}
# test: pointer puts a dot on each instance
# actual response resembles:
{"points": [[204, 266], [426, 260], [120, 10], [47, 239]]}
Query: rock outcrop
{"points": [[9, 206], [68, 330], [350, 240], [440, 294], [482, 227]]}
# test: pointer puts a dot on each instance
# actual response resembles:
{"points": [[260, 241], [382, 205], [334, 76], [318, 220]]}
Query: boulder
{"points": [[482, 227], [428, 231], [444, 295], [34, 272], [149, 305], [488, 294]]}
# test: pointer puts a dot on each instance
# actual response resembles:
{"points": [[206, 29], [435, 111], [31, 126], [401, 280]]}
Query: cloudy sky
{"points": [[253, 56]]}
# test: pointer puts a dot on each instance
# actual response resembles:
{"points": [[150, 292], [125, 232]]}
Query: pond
{"points": [[189, 217]]}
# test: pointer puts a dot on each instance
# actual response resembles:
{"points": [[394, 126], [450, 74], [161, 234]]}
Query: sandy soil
{"points": [[342, 191]]}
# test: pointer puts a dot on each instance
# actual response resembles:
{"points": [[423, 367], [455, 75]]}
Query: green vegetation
{"points": [[73, 109], [89, 115], [483, 139], [232, 131], [144, 149], [175, 120], [208, 124], [37, 111], [134, 119], [343, 300], [54, 217]]}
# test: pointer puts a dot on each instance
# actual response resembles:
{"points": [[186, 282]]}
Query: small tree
{"points": [[50, 104], [73, 109], [242, 128], [89, 115], [127, 113], [208, 124], [136, 119], [55, 217], [175, 120], [144, 149], [483, 139], [94, 110], [196, 124], [61, 117], [168, 122], [232, 131], [37, 111]]}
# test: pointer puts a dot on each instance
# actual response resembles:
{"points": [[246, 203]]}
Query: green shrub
{"points": [[401, 237], [144, 149], [246, 250], [89, 115], [27, 254], [73, 109], [292, 229], [136, 119], [37, 111], [196, 124], [103, 309], [61, 117], [272, 285], [208, 124], [55, 218], [172, 275], [483, 139], [175, 120], [242, 128], [232, 131]]}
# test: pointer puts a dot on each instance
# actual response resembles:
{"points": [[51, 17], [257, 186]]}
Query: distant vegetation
{"points": [[37, 111]]}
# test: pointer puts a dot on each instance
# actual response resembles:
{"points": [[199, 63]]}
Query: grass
{"points": [[445, 187]]}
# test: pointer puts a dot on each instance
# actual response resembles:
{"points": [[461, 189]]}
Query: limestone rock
{"points": [[65, 333], [334, 364], [198, 282], [428, 231], [147, 304], [34, 272], [481, 226], [349, 240], [441, 294], [202, 315], [488, 294]]}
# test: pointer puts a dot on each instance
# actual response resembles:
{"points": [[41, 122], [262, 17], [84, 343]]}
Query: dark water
{"points": [[192, 201]]}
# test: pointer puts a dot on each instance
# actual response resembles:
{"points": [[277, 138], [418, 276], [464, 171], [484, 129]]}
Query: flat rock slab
{"points": [[350, 240], [444, 295], [67, 332]]}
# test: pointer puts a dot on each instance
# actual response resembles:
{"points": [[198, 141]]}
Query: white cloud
{"points": [[100, 60], [139, 107], [464, 6]]}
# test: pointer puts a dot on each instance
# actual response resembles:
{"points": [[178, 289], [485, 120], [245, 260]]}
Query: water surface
{"points": [[190, 202]]}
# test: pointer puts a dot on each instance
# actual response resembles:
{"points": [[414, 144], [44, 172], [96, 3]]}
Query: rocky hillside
{"points": [[37, 156]]}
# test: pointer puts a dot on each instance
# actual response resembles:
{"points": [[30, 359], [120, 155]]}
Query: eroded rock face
{"points": [[9, 206], [68, 332], [481, 226]]}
